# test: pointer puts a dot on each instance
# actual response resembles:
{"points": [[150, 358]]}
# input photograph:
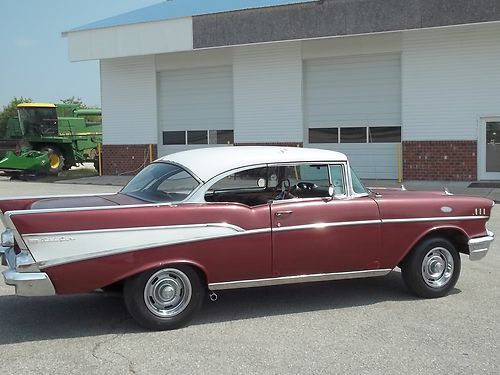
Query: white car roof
{"points": [[206, 163]]}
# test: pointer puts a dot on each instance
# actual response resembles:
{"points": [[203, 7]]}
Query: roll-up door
{"points": [[195, 108], [353, 105]]}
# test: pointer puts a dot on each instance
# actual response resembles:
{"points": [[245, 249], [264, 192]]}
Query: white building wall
{"points": [[128, 91], [451, 78], [131, 40], [268, 93]]}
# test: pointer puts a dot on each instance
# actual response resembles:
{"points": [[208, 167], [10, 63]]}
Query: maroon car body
{"points": [[199, 221]]}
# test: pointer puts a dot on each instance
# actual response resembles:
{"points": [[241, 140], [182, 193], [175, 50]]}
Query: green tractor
{"points": [[48, 138]]}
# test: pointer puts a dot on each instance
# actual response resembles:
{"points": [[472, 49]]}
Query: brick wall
{"points": [[440, 160], [125, 159]]}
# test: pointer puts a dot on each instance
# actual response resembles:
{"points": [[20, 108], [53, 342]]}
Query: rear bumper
{"points": [[27, 284], [478, 247]]}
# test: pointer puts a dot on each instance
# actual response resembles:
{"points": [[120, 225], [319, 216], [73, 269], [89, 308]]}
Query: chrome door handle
{"points": [[281, 213]]}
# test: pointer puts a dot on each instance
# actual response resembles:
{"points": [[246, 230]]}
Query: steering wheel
{"points": [[306, 186]]}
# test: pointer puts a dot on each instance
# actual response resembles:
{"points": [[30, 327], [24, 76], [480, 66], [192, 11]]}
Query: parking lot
{"points": [[369, 326]]}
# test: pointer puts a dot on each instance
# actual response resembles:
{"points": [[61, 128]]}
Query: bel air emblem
{"points": [[51, 239]]}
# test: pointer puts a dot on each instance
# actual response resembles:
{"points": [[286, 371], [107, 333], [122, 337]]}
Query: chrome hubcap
{"points": [[437, 267], [167, 292]]}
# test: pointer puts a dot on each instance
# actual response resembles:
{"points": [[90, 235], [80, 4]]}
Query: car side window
{"points": [[251, 187], [303, 181], [338, 180]]}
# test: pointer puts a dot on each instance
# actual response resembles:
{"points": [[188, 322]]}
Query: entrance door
{"points": [[489, 149]]}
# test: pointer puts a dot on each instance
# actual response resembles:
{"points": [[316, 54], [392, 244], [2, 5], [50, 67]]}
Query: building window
{"points": [[323, 135], [197, 137], [174, 138], [221, 137], [353, 135], [384, 134]]}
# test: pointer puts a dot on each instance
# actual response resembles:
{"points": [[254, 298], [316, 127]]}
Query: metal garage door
{"points": [[195, 108], [353, 105]]}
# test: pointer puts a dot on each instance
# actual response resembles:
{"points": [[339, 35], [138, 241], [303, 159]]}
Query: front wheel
{"points": [[165, 298], [56, 160], [432, 268]]}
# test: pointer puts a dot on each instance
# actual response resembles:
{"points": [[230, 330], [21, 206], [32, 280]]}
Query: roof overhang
{"points": [[146, 38], [301, 20]]}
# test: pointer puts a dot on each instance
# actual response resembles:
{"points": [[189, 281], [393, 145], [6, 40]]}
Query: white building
{"points": [[370, 78]]}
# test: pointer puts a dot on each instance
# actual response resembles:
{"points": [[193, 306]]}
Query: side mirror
{"points": [[331, 191]]}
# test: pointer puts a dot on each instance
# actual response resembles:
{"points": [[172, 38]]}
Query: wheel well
{"points": [[455, 236], [201, 273]]}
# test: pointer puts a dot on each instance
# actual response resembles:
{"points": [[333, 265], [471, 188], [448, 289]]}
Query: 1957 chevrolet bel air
{"points": [[199, 221]]}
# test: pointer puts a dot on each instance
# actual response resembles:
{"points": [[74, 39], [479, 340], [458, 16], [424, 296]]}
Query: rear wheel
{"points": [[165, 298], [56, 159], [432, 268]]}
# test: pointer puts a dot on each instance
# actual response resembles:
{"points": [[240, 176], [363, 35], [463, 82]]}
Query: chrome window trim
{"points": [[284, 280], [198, 196]]}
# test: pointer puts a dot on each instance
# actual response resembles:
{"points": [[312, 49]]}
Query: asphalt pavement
{"points": [[369, 326]]}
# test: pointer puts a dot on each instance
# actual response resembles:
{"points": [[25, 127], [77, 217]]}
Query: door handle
{"points": [[281, 213]]}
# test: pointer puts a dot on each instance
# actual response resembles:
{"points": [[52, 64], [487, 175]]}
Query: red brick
{"points": [[440, 160]]}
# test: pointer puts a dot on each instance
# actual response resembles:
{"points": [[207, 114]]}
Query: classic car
{"points": [[196, 222]]}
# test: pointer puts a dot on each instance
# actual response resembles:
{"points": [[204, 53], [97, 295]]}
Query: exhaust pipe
{"points": [[212, 296]]}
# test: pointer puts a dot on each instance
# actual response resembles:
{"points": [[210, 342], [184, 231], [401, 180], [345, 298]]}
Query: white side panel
{"points": [[57, 248], [357, 90], [194, 99], [128, 96], [131, 40], [369, 160], [451, 78], [268, 93]]}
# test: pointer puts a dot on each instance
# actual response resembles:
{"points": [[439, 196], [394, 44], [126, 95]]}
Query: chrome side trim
{"points": [[29, 284], [326, 225], [478, 247], [440, 218], [297, 279], [54, 196], [128, 229]]}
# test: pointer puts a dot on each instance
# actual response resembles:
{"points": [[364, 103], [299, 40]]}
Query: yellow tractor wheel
{"points": [[56, 160]]}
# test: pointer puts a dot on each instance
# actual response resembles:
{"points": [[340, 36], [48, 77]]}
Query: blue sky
{"points": [[34, 57]]}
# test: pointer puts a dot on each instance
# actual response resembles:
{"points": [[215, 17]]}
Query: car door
{"points": [[313, 232]]}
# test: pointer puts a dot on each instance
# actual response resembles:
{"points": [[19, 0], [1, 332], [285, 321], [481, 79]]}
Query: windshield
{"points": [[357, 185], [38, 121], [161, 182]]}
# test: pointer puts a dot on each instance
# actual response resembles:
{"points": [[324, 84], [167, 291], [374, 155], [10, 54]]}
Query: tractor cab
{"points": [[38, 120]]}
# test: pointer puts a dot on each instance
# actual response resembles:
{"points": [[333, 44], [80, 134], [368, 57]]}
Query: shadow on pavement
{"points": [[95, 314]]}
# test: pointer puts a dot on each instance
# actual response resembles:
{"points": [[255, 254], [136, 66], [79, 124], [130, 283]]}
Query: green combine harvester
{"points": [[48, 138]]}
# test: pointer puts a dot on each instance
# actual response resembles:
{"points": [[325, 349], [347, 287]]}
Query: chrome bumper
{"points": [[3, 262], [27, 284], [478, 247]]}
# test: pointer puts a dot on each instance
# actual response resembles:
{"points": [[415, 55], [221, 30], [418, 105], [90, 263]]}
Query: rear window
{"points": [[161, 182]]}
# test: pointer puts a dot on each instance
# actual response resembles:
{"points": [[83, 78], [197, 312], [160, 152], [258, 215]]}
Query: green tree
{"points": [[10, 110], [74, 100]]}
